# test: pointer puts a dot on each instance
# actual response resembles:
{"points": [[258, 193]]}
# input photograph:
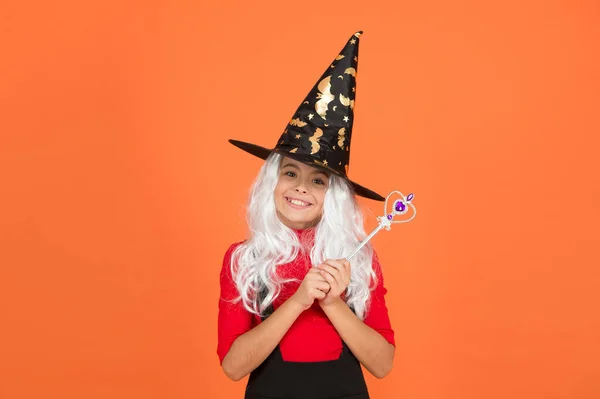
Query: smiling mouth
{"points": [[296, 203]]}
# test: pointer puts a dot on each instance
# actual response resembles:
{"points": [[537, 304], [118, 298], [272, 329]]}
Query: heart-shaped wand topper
{"points": [[401, 207]]}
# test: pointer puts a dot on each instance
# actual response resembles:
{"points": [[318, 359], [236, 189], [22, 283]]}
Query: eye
{"points": [[318, 181], [290, 174]]}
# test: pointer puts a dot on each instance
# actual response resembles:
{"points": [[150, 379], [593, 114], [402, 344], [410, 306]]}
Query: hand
{"points": [[314, 286], [337, 274]]}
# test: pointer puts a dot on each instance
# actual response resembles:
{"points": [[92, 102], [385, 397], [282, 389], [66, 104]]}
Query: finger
{"points": [[314, 274], [319, 294], [330, 279], [343, 265], [342, 280], [346, 264], [339, 265], [335, 263], [348, 269], [321, 285], [332, 271]]}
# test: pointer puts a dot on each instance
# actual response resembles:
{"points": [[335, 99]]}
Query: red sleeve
{"points": [[377, 316], [234, 320]]}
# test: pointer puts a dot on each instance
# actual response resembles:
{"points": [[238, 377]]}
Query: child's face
{"points": [[299, 194]]}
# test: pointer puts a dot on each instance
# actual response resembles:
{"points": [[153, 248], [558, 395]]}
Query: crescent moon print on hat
{"points": [[319, 133]]}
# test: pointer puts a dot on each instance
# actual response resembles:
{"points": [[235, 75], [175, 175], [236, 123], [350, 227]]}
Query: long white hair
{"points": [[271, 243]]}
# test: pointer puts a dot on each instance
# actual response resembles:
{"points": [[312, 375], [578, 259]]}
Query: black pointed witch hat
{"points": [[320, 131]]}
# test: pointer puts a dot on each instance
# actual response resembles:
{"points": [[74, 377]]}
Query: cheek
{"points": [[280, 187], [320, 207], [280, 191], [319, 197]]}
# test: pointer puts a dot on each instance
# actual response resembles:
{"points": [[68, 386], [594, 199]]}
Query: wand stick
{"points": [[400, 208]]}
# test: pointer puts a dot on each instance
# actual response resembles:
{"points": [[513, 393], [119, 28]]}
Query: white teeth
{"points": [[298, 202]]}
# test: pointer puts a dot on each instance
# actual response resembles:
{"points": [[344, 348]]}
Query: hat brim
{"points": [[264, 153]]}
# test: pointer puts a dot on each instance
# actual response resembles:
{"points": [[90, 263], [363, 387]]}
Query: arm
{"points": [[250, 349], [371, 341], [242, 348]]}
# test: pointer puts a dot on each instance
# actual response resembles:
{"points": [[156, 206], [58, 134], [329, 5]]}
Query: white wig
{"points": [[271, 243]]}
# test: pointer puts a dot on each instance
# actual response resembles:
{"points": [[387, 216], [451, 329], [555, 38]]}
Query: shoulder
{"points": [[226, 275], [376, 265], [227, 257], [377, 269], [232, 247]]}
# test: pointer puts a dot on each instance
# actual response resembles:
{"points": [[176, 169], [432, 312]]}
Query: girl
{"points": [[293, 313]]}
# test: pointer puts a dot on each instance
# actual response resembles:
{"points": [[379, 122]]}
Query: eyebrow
{"points": [[290, 164], [316, 172]]}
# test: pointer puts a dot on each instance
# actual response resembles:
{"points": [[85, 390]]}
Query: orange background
{"points": [[120, 193]]}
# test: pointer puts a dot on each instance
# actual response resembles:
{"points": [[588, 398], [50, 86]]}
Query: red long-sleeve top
{"points": [[312, 337]]}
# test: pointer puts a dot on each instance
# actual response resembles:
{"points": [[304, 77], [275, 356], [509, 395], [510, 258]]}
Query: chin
{"points": [[299, 221], [295, 221]]}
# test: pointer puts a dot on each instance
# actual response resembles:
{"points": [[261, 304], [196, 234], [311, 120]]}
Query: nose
{"points": [[301, 189]]}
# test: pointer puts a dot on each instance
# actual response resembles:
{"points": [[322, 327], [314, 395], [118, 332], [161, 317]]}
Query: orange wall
{"points": [[120, 193]]}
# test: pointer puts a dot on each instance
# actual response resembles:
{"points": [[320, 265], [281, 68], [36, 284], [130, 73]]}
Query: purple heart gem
{"points": [[399, 206]]}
